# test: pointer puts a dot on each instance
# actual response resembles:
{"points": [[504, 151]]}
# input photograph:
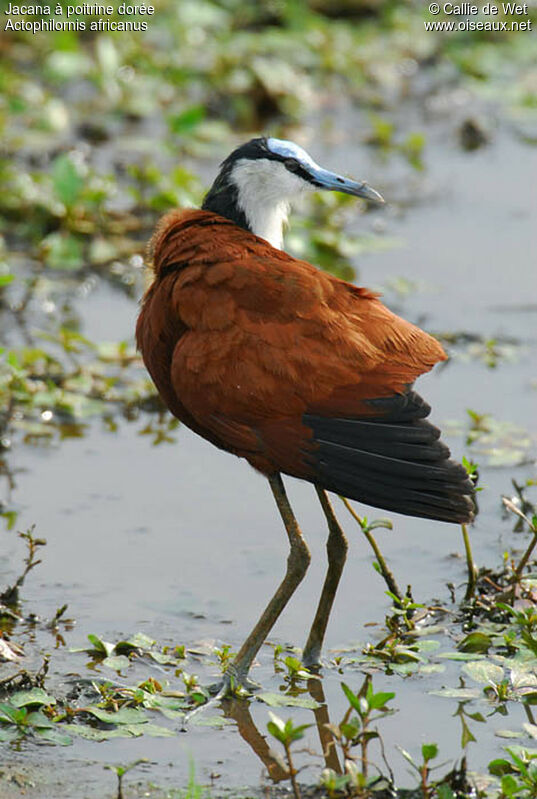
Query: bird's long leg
{"points": [[297, 564], [336, 547]]}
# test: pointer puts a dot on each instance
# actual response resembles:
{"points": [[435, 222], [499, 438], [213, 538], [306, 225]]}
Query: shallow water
{"points": [[183, 542]]}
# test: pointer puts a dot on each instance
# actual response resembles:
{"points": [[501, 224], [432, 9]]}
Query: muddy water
{"points": [[184, 543]]}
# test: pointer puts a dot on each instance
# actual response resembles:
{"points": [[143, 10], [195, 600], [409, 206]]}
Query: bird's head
{"points": [[257, 181]]}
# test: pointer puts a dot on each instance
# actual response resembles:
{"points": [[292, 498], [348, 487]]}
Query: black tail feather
{"points": [[396, 462]]}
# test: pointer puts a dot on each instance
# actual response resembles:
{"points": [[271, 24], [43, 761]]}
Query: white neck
{"points": [[263, 188], [268, 223]]}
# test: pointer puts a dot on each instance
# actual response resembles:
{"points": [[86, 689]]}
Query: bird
{"points": [[294, 370]]}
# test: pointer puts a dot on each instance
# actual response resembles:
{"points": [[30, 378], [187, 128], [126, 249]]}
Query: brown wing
{"points": [[266, 356]]}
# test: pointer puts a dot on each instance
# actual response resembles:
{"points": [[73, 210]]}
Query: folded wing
{"points": [[294, 370]]}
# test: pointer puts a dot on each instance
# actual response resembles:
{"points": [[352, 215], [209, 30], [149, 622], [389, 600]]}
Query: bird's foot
{"points": [[314, 669], [233, 684], [237, 683], [311, 660]]}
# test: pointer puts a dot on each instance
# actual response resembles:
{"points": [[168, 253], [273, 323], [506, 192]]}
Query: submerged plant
{"points": [[287, 732]]}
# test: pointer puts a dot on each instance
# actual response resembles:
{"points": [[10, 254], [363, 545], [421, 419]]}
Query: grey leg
{"points": [[336, 547], [297, 564]]}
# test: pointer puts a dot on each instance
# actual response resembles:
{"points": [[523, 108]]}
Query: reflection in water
{"points": [[322, 720], [239, 710], [330, 734], [352, 773]]}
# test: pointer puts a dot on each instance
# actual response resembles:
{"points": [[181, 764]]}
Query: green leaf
{"points": [[284, 700], [404, 654], [456, 693], [377, 701], [66, 180], [124, 648], [10, 714], [38, 719], [37, 696], [168, 703], [211, 721], [432, 668], [103, 647], [162, 658], [275, 731], [483, 671], [499, 767], [386, 524], [520, 755], [353, 700], [55, 736], [296, 733], [293, 664], [444, 791], [5, 280], [285, 732], [125, 715], [351, 729], [429, 752], [476, 642], [427, 645], [116, 662], [459, 656], [153, 730], [405, 668], [276, 727], [477, 717], [466, 736], [139, 641], [510, 786], [93, 734]]}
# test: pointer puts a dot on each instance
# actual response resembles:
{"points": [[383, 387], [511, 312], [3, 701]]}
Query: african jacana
{"points": [[298, 372]]}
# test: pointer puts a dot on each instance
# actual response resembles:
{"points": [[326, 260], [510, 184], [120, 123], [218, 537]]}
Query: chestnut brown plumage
{"points": [[297, 372]]}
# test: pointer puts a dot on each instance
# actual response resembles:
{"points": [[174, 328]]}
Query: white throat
{"points": [[268, 224], [264, 188]]}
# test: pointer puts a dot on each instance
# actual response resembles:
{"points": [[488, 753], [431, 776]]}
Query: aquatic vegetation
{"points": [[287, 733], [24, 715]]}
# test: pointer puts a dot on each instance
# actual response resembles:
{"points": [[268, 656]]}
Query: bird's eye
{"points": [[292, 165]]}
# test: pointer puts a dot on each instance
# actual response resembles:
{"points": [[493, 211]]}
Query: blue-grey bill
{"points": [[333, 182]]}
